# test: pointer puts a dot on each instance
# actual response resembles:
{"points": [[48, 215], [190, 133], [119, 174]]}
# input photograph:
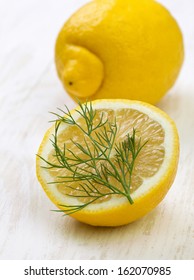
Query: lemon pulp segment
{"points": [[146, 165]]}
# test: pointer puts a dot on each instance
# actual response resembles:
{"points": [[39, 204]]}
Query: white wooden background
{"points": [[29, 89]]}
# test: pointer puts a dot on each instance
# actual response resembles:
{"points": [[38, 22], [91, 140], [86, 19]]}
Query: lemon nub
{"points": [[81, 70]]}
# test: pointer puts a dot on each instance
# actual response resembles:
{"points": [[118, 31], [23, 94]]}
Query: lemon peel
{"points": [[120, 49]]}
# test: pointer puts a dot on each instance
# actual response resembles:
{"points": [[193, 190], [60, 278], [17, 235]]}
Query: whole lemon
{"points": [[119, 49]]}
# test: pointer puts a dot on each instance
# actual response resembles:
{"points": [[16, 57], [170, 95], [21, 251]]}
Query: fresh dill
{"points": [[97, 163]]}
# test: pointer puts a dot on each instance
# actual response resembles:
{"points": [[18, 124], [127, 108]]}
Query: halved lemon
{"points": [[112, 168]]}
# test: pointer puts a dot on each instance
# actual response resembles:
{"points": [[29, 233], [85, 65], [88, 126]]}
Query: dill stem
{"points": [[86, 171]]}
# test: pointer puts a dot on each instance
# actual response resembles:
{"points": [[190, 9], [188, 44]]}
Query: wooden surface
{"points": [[29, 89]]}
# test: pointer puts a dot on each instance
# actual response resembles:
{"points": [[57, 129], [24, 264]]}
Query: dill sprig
{"points": [[95, 162]]}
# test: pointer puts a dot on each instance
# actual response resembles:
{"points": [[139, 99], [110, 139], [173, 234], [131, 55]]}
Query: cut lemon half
{"points": [[109, 162]]}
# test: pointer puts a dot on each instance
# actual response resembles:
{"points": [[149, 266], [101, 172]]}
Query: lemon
{"points": [[71, 186], [119, 49]]}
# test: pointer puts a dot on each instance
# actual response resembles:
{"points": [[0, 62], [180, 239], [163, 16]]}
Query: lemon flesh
{"points": [[154, 170], [146, 165], [119, 49]]}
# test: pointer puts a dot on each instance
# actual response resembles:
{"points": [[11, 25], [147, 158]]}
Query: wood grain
{"points": [[29, 89]]}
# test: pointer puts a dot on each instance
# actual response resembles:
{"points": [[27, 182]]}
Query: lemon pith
{"points": [[134, 51], [155, 167]]}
